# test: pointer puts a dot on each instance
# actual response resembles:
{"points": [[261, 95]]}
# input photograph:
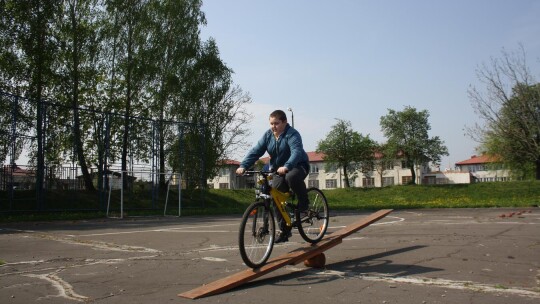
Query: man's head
{"points": [[279, 114], [278, 122]]}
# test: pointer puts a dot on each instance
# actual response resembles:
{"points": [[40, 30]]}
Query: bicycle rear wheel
{"points": [[312, 225], [256, 235]]}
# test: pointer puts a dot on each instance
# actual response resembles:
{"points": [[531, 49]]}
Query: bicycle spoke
{"points": [[313, 226], [256, 235]]}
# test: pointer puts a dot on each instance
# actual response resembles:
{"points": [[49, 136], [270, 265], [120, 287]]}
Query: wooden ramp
{"points": [[291, 258]]}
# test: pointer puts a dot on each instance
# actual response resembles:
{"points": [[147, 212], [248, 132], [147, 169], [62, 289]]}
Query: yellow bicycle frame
{"points": [[280, 199]]}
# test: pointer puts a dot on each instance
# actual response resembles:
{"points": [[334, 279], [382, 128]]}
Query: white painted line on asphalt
{"points": [[107, 246], [87, 262], [156, 230], [93, 244], [65, 290], [24, 262], [482, 223], [213, 259], [399, 219], [18, 230], [424, 281], [460, 285], [415, 213], [354, 238], [212, 248]]}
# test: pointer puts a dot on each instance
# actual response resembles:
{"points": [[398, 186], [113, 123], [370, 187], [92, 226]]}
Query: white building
{"points": [[392, 173], [227, 178], [476, 169], [484, 168]]}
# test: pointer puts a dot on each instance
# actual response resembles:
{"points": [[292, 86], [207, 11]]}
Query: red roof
{"points": [[482, 159], [315, 157], [229, 162], [18, 171]]}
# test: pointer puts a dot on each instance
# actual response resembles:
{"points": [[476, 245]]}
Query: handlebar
{"points": [[262, 172]]}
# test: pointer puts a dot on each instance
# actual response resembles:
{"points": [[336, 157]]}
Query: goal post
{"points": [[111, 182], [144, 188], [179, 183]]}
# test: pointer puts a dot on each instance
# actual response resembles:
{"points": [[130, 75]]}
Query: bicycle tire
{"points": [[256, 235], [312, 227]]}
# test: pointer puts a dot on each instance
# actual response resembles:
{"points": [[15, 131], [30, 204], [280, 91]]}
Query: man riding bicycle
{"points": [[284, 145]]}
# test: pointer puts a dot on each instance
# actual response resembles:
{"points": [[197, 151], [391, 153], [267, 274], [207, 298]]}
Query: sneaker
{"points": [[283, 236]]}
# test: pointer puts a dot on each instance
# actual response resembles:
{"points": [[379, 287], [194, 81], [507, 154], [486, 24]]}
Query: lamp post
{"points": [[292, 116]]}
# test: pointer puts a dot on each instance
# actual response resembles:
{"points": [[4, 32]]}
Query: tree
{"points": [[28, 58], [129, 37], [510, 110], [384, 158], [347, 149], [77, 62], [174, 45], [141, 62], [210, 100], [407, 133]]}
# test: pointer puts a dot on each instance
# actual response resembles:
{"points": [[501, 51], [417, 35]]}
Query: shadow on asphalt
{"points": [[379, 263]]}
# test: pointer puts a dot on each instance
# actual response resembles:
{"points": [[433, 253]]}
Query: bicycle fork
{"points": [[257, 231]]}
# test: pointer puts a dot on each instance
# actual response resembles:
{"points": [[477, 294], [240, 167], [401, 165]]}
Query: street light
{"points": [[292, 116]]}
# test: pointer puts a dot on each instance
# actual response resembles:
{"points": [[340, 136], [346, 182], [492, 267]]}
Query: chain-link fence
{"points": [[61, 158]]}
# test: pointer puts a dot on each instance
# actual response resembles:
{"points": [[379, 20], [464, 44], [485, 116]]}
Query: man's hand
{"points": [[282, 170], [240, 171]]}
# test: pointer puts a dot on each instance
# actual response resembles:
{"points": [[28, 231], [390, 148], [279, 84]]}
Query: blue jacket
{"points": [[286, 151]]}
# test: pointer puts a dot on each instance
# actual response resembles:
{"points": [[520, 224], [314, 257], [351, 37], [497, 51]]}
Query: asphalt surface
{"points": [[411, 256]]}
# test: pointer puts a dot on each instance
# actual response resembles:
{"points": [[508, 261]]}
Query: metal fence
{"points": [[50, 178]]}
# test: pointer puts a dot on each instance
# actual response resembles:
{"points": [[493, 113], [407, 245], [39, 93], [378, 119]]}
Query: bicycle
{"points": [[257, 229]]}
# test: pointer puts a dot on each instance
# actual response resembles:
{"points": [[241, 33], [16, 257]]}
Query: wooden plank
{"points": [[292, 258], [362, 223]]}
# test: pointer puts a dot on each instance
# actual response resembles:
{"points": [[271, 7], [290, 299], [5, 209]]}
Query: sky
{"points": [[354, 60]]}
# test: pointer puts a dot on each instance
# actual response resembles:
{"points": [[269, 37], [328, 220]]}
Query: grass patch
{"points": [[227, 201], [480, 195]]}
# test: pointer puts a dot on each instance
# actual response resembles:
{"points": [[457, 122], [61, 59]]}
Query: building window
{"points": [[223, 185], [389, 165], [368, 182], [331, 168], [224, 171], [404, 165], [430, 180], [387, 181], [313, 168], [331, 183], [313, 183], [442, 181], [406, 180]]}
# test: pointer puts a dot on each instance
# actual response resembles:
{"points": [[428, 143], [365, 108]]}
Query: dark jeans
{"points": [[295, 180]]}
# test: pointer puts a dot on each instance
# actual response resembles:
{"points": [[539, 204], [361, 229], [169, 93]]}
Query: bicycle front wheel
{"points": [[256, 235], [313, 224]]}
